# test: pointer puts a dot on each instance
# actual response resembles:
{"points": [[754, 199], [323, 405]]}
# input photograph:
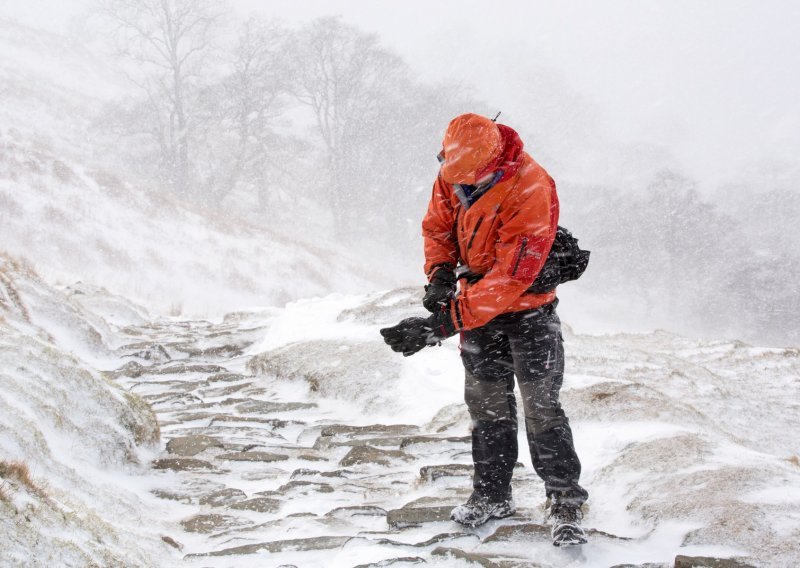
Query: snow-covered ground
{"points": [[295, 437]]}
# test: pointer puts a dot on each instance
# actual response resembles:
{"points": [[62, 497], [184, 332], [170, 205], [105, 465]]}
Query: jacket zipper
{"points": [[520, 255], [474, 232], [458, 240]]}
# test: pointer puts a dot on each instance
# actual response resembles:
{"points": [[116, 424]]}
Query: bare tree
{"points": [[168, 42], [244, 110], [346, 79]]}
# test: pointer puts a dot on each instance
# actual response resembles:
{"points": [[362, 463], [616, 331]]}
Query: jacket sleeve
{"points": [[438, 229], [528, 230]]}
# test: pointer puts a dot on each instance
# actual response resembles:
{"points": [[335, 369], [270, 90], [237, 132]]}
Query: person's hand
{"points": [[440, 290], [413, 334]]}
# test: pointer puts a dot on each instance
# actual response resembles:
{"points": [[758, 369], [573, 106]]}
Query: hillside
{"points": [[72, 443], [75, 215]]}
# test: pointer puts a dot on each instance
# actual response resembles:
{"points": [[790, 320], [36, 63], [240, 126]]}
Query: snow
{"points": [[83, 439], [688, 446], [661, 466]]}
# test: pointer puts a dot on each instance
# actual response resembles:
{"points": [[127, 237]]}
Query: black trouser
{"points": [[529, 345]]}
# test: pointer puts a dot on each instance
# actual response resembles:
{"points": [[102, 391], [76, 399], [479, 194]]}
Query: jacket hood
{"points": [[475, 147]]}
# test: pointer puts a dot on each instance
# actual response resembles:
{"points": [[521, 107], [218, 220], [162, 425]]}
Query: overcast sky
{"points": [[717, 82]]}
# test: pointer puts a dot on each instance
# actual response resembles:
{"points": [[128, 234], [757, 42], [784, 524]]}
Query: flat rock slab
{"points": [[338, 473], [436, 539], [395, 562], [370, 455], [434, 472], [304, 487], [253, 457], [298, 544], [273, 422], [410, 516], [213, 522], [471, 558], [326, 442], [172, 496], [183, 368], [707, 562], [223, 391], [225, 378], [182, 464], [223, 497], [356, 511], [414, 440], [191, 445], [266, 406], [258, 504], [183, 417], [526, 531], [312, 457], [385, 429]]}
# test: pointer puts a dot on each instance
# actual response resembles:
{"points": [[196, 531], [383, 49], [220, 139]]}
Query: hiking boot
{"points": [[478, 509], [565, 519]]}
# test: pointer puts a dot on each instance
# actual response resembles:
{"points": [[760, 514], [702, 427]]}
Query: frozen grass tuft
{"points": [[17, 473]]}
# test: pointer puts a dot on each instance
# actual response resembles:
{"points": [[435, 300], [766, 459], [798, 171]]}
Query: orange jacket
{"points": [[505, 236]]}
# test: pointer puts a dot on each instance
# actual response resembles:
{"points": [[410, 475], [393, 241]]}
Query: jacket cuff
{"points": [[442, 323], [443, 274]]}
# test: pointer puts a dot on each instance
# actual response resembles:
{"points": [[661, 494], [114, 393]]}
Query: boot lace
{"points": [[565, 513]]}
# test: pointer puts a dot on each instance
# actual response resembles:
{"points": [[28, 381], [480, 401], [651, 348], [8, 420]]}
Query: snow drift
{"points": [[68, 437]]}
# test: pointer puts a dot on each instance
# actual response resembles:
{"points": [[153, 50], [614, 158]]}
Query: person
{"points": [[493, 215]]}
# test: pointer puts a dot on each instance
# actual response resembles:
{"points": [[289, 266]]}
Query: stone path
{"points": [[258, 479]]}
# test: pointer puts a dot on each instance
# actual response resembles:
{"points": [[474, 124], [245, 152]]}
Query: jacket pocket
{"points": [[474, 232]]}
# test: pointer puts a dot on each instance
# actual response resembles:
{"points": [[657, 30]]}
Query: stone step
{"points": [[535, 531], [265, 457], [223, 497], [212, 523], [258, 504], [484, 561], [415, 516], [188, 446], [298, 544], [399, 562], [374, 456], [183, 464]]}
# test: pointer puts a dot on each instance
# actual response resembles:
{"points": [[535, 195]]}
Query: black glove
{"points": [[412, 334], [441, 290]]}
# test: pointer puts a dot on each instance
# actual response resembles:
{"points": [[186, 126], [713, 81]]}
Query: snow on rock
{"points": [[65, 323], [111, 308], [318, 342], [70, 440]]}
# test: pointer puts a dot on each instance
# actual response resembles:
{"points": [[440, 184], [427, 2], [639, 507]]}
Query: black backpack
{"points": [[566, 261]]}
